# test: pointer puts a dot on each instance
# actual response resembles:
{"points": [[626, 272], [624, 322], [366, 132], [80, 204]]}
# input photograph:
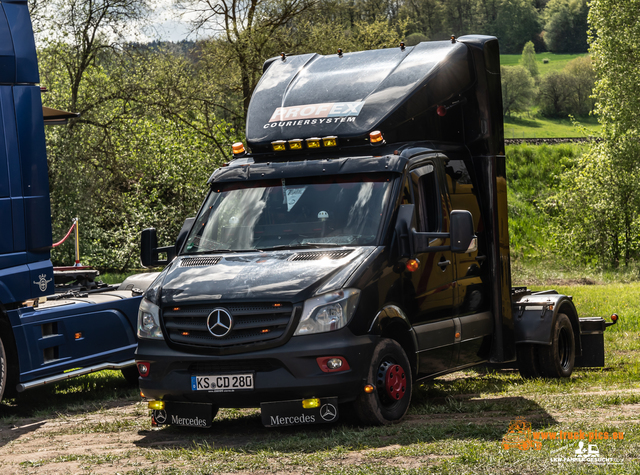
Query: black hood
{"points": [[259, 276]]}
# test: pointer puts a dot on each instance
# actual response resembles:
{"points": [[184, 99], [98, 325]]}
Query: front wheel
{"points": [[390, 375], [557, 360]]}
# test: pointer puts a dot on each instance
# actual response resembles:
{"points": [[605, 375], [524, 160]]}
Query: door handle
{"points": [[443, 263]]}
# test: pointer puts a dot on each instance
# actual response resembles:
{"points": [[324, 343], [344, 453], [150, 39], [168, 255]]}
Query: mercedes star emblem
{"points": [[160, 416], [328, 412], [219, 322]]}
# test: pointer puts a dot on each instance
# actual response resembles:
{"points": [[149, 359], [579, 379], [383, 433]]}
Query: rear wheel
{"points": [[390, 375], [556, 360]]}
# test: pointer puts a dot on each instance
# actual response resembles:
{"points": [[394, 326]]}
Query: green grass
{"points": [[455, 424], [530, 126], [556, 61]]}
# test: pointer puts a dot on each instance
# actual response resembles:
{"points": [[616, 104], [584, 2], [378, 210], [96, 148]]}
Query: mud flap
{"points": [[184, 414], [292, 413], [592, 338]]}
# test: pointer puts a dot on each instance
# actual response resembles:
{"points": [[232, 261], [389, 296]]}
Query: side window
{"points": [[461, 190], [427, 198]]}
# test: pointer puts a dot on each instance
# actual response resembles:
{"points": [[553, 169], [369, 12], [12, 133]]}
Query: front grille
{"points": [[252, 322], [314, 256], [199, 261], [237, 366]]}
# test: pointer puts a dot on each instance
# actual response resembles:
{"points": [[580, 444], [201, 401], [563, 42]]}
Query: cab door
{"points": [[431, 294], [472, 298]]}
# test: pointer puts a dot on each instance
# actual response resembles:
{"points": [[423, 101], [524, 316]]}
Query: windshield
{"points": [[320, 211]]}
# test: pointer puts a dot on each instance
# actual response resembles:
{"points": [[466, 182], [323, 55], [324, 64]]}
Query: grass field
{"points": [[529, 126], [556, 61], [456, 424]]}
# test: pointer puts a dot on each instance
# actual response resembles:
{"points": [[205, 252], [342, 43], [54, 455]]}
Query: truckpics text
{"points": [[360, 247]]}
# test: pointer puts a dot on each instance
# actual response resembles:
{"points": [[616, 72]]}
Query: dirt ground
{"points": [[117, 437]]}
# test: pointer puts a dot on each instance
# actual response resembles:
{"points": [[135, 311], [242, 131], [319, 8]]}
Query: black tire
{"points": [[557, 360], [3, 370], [390, 374], [528, 364], [131, 374]]}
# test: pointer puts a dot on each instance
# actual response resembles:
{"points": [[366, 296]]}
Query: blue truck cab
{"points": [[43, 336]]}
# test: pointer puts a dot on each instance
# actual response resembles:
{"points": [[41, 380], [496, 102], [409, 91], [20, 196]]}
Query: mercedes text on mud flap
{"points": [[362, 246]]}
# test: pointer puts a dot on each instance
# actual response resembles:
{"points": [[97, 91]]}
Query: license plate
{"points": [[291, 413], [223, 382]]}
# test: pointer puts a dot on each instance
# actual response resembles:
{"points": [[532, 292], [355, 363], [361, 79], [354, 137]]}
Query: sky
{"points": [[166, 24]]}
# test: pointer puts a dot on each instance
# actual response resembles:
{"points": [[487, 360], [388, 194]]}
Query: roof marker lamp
{"points": [[238, 149], [279, 145], [331, 141], [375, 138], [295, 144], [313, 142]]}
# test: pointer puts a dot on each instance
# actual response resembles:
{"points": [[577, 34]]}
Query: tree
{"points": [[528, 59], [603, 198], [248, 28], [516, 22], [581, 69], [517, 89], [565, 25], [555, 95]]}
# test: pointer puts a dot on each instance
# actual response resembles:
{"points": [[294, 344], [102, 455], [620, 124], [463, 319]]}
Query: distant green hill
{"points": [[555, 61]]}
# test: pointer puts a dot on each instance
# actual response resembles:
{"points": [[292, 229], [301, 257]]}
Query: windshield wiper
{"points": [[306, 245], [219, 251]]}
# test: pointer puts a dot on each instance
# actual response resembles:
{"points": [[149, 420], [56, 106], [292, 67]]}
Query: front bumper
{"points": [[287, 372]]}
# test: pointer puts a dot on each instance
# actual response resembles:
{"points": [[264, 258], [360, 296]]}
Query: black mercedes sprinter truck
{"points": [[360, 247]]}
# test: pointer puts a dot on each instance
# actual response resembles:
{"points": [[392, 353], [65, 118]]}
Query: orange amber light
{"points": [[238, 148], [412, 265], [375, 137]]}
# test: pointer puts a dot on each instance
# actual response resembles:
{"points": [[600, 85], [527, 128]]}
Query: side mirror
{"points": [[149, 250], [463, 238]]}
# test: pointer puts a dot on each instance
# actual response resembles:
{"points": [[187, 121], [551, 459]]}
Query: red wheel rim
{"points": [[395, 382]]}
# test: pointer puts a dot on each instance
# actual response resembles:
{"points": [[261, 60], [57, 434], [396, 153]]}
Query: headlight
{"points": [[149, 321], [328, 312]]}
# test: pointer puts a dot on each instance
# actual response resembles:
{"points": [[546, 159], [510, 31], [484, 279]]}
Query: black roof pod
{"points": [[392, 90]]}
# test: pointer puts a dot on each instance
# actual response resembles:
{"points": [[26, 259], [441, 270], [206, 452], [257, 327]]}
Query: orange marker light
{"points": [[78, 335], [614, 317], [375, 137], [238, 148], [185, 333], [369, 389], [412, 265], [266, 330]]}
